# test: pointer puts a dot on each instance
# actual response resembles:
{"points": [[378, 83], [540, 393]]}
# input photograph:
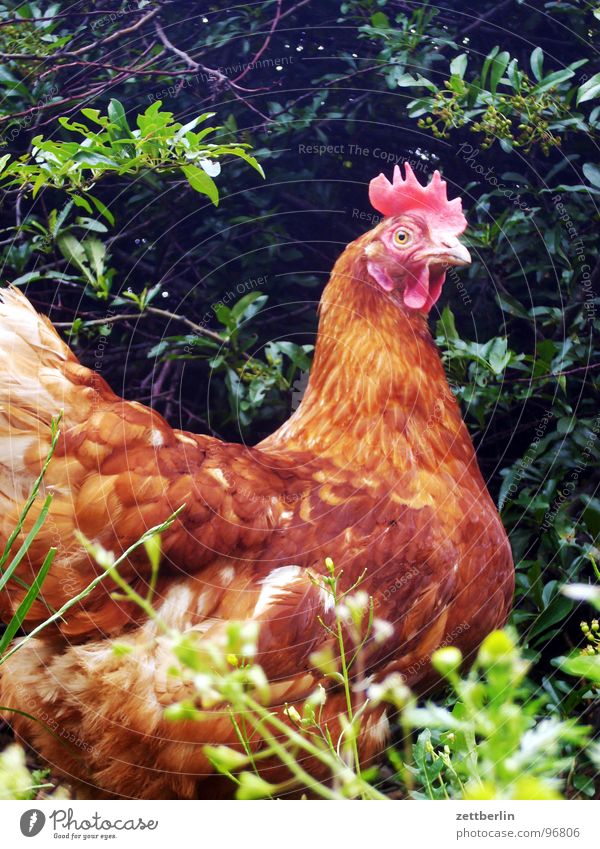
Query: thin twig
{"points": [[197, 328], [293, 9], [218, 76], [266, 42], [45, 57], [95, 90], [552, 374], [191, 63], [106, 66], [485, 16]]}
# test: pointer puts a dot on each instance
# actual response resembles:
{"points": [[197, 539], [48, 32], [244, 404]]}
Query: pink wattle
{"points": [[420, 293], [435, 287], [416, 293], [424, 289]]}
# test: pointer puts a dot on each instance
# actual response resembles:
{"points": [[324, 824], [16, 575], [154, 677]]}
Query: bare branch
{"points": [[172, 316], [266, 43]]}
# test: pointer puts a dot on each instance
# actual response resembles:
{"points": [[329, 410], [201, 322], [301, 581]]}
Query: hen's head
{"points": [[410, 251]]}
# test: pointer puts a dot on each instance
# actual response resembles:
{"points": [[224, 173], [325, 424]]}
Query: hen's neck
{"points": [[377, 393]]}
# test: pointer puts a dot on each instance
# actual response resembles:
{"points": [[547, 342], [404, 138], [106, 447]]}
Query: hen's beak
{"points": [[451, 255], [457, 255], [446, 254]]}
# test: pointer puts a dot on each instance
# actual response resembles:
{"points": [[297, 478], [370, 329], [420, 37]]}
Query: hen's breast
{"points": [[431, 549]]}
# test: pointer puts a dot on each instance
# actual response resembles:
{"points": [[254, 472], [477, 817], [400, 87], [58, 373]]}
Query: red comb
{"points": [[406, 195]]}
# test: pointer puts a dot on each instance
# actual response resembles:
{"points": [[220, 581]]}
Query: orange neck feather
{"points": [[377, 393]]}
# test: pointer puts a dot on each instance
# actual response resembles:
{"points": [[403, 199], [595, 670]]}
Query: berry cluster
{"points": [[522, 118], [592, 634]]}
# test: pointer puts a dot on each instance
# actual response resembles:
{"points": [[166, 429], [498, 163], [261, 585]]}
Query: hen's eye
{"points": [[402, 237]]}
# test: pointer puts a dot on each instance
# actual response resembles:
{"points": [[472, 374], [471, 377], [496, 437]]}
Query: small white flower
{"points": [[293, 714], [213, 169], [382, 630]]}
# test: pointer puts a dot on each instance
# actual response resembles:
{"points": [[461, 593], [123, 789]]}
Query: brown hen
{"points": [[374, 469]]}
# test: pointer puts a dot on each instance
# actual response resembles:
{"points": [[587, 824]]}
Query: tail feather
{"points": [[34, 387], [39, 378], [33, 357]]}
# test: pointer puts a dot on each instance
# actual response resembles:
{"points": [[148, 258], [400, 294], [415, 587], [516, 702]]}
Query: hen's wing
{"points": [[118, 469]]}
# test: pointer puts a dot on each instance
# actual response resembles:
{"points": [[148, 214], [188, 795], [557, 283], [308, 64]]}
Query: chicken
{"points": [[375, 469]]}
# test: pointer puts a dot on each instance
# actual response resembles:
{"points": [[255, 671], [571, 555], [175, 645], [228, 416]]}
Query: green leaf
{"points": [[95, 252], [585, 784], [90, 224], [537, 61], [511, 305], [252, 786], [380, 20], [591, 514], [201, 182], [248, 306], [80, 201], [152, 123], [29, 277], [249, 159], [103, 210], [117, 115], [91, 158], [497, 68], [486, 65], [514, 75], [446, 326], [555, 611], [95, 116], [553, 80], [74, 252], [592, 172], [187, 128], [60, 219], [565, 424], [223, 313], [513, 476], [404, 80], [458, 65], [499, 356], [584, 666], [39, 183], [589, 89]]}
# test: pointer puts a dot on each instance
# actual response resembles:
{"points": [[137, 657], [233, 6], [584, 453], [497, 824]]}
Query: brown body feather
{"points": [[375, 469]]}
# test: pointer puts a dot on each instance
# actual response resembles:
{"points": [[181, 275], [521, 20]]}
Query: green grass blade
{"points": [[33, 495], [91, 586], [22, 610], [70, 748], [5, 576]]}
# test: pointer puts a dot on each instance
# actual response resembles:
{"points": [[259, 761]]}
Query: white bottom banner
{"points": [[290, 824]]}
